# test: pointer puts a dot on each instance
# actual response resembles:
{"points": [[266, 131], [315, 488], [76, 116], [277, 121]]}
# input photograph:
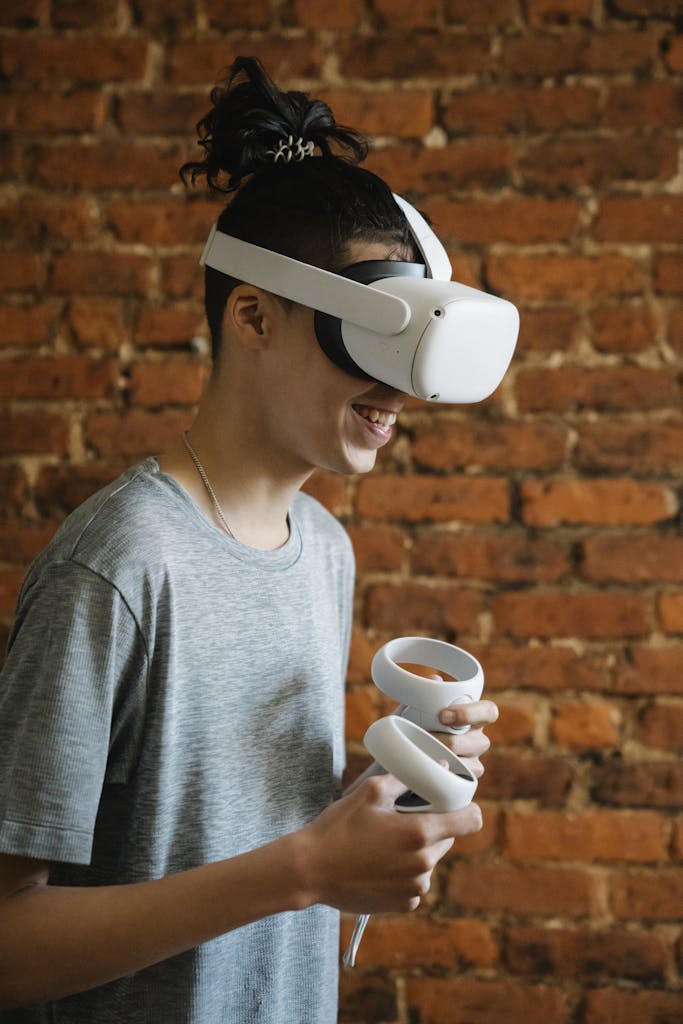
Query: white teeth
{"points": [[385, 419]]}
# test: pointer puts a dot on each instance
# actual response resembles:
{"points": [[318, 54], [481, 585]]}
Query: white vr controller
{"points": [[401, 744]]}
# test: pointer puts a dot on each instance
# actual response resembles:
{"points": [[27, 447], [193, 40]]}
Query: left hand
{"points": [[471, 745]]}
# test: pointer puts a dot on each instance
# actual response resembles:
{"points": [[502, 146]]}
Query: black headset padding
{"points": [[328, 329]]}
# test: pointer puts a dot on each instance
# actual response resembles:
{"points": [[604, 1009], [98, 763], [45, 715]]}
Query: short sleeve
{"points": [[71, 694]]}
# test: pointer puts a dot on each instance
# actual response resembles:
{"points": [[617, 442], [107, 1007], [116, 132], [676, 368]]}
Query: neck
{"points": [[253, 484]]}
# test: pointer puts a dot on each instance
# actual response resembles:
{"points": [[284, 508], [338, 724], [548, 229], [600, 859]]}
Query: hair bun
{"points": [[250, 117]]}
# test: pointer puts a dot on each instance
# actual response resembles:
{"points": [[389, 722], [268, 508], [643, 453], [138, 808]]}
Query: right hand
{"points": [[363, 856]]}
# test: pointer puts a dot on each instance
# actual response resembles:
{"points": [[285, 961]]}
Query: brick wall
{"points": [[538, 529]]}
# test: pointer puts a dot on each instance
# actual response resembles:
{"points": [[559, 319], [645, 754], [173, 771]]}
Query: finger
{"points": [[384, 789], [477, 714], [468, 744], [451, 824]]}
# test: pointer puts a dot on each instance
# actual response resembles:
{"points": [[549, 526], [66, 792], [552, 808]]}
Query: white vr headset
{"points": [[403, 324]]}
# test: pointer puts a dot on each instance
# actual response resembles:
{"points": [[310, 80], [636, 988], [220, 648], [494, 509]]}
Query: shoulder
{"points": [[119, 526]]}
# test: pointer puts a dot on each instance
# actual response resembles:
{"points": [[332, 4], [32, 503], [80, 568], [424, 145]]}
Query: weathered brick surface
{"points": [[540, 529]]}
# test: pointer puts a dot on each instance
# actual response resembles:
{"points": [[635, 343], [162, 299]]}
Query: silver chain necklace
{"points": [[209, 489]]}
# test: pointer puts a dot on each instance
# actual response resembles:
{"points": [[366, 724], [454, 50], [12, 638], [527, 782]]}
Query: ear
{"points": [[249, 315]]}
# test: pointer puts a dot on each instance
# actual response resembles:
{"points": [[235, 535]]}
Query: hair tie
{"points": [[290, 150]]}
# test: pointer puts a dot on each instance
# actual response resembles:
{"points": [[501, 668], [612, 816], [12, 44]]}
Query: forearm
{"points": [[55, 941]]}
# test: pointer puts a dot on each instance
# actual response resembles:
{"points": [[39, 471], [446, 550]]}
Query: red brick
{"points": [[520, 889], [549, 330], [366, 996], [329, 489], [362, 709], [181, 277], [509, 558], [607, 388], [620, 329], [20, 270], [425, 171], [137, 432], [542, 668], [13, 489], [433, 1001], [482, 842], [61, 489], [110, 165], [675, 337], [405, 940], [668, 274], [378, 113], [58, 377], [590, 724], [596, 162], [450, 444], [654, 104], [201, 63], [600, 616], [10, 582], [639, 219], [161, 113], [639, 955], [478, 499], [632, 836], [21, 13], [33, 433], [97, 323], [570, 53], [647, 8], [650, 670], [552, 276], [106, 273], [527, 110], [323, 14], [674, 56], [612, 502], [563, 11], [361, 653], [255, 14], [521, 220], [168, 326], [171, 382], [28, 325], [66, 58], [608, 1005], [516, 723], [621, 446], [78, 111], [657, 897], [391, 14], [21, 541], [661, 726], [484, 13], [641, 784], [172, 16], [546, 780], [632, 559], [35, 217], [378, 548], [408, 55], [670, 612], [417, 606], [162, 223], [74, 14]]}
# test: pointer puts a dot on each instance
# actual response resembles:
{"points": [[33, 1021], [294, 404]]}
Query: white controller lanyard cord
{"points": [[401, 744]]}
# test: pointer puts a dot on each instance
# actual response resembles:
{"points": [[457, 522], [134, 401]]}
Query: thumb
{"points": [[388, 788]]}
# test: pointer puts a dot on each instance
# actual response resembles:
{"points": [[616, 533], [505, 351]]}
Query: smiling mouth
{"points": [[378, 416]]}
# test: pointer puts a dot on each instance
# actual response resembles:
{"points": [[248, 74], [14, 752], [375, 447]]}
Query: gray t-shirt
{"points": [[171, 698]]}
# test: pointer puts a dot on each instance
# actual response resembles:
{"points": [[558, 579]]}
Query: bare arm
{"points": [[56, 940]]}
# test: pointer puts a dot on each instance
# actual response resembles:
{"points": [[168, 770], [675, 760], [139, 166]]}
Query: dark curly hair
{"points": [[310, 209]]}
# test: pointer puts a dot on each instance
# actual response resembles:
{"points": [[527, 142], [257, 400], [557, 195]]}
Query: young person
{"points": [[174, 844]]}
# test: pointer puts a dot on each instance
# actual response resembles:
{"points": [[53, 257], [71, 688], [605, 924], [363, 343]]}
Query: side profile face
{"points": [[309, 413]]}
